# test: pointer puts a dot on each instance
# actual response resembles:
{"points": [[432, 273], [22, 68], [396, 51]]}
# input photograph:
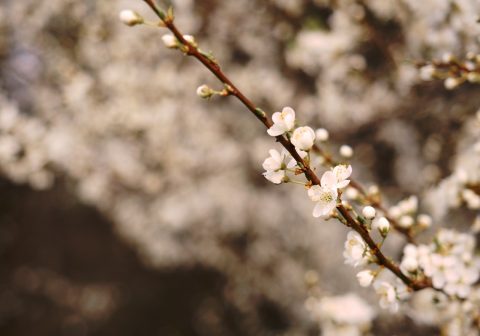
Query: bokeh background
{"points": [[129, 206]]}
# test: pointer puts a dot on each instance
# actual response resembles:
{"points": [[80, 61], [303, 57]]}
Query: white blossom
{"points": [[358, 311], [388, 295], [342, 173], [365, 278], [275, 166], [355, 250], [409, 264], [324, 194], [345, 315], [303, 138], [282, 122]]}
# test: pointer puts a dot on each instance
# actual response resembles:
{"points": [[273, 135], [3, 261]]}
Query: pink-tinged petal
{"points": [[289, 121], [275, 130], [314, 193], [277, 118], [330, 207], [328, 180], [343, 184], [349, 171], [288, 110]]}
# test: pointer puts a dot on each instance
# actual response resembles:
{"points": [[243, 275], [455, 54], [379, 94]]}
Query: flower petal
{"points": [[328, 180], [275, 130]]}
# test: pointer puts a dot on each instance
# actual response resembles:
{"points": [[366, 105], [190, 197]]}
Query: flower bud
{"points": [[365, 278], [170, 41], [451, 83], [424, 220], [473, 77], [448, 58], [190, 39], [382, 225], [346, 151], [303, 138], [204, 91], [352, 193], [427, 72], [368, 212], [409, 264], [130, 18], [405, 221], [321, 134]]}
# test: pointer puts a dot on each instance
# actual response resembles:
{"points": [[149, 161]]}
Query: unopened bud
{"points": [[170, 41], [451, 83], [204, 92], [130, 18], [321, 134], [473, 77], [448, 58], [424, 220], [382, 225], [427, 72], [368, 212], [190, 39], [346, 151], [365, 278], [405, 221]]}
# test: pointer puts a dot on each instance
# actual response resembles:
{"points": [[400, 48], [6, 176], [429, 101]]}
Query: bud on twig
{"points": [[130, 18], [205, 92]]}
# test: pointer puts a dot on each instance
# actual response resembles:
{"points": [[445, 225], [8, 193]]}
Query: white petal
{"points": [[343, 184], [318, 210], [275, 155], [270, 164], [275, 130], [328, 180], [277, 118], [275, 177]]}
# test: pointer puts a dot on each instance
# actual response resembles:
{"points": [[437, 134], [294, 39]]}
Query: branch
{"points": [[215, 69]]}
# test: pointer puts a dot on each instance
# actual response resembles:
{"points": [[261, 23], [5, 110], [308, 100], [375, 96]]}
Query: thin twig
{"points": [[215, 69]]}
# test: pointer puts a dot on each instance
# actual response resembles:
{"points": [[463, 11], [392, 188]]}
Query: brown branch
{"points": [[375, 203], [215, 69], [381, 258]]}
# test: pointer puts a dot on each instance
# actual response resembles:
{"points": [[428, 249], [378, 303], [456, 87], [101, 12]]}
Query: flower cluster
{"points": [[303, 138], [450, 270], [449, 261], [452, 71], [345, 315], [405, 214]]}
